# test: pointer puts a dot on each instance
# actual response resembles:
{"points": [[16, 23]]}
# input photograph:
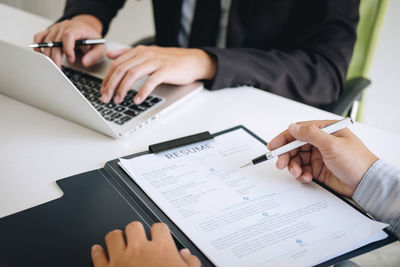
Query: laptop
{"points": [[72, 94]]}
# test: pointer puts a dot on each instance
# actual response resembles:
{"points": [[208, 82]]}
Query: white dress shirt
{"points": [[379, 194]]}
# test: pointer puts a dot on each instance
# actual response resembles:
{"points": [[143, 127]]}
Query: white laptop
{"points": [[33, 78]]}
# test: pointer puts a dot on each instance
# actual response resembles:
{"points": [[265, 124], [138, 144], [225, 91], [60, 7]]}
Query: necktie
{"points": [[206, 23]]}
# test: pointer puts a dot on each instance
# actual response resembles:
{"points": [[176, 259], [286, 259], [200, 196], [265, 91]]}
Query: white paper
{"points": [[254, 216], [378, 236]]}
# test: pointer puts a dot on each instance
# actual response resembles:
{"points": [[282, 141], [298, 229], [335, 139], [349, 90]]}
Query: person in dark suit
{"points": [[297, 49]]}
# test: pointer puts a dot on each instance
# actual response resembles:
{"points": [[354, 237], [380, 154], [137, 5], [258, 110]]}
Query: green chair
{"points": [[350, 102]]}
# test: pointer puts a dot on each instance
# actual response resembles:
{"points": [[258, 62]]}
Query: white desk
{"points": [[37, 148]]}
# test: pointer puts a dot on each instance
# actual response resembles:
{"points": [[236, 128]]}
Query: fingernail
{"points": [[292, 172], [96, 250], [304, 178], [185, 252], [294, 127], [104, 98], [70, 59], [116, 99], [137, 100]]}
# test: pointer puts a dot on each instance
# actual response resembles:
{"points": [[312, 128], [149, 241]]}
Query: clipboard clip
{"points": [[183, 141]]}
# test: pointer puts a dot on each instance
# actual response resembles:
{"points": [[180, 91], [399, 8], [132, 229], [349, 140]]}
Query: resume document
{"points": [[254, 216]]}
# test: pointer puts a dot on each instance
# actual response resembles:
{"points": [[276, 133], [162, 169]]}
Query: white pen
{"points": [[330, 129], [77, 43]]}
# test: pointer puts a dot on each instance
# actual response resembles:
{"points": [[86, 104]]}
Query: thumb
{"points": [[113, 54], [313, 135], [93, 55], [189, 259]]}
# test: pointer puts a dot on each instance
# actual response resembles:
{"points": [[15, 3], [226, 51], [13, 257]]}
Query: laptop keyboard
{"points": [[121, 113]]}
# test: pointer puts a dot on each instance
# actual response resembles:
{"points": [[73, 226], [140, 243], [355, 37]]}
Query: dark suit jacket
{"points": [[297, 49]]}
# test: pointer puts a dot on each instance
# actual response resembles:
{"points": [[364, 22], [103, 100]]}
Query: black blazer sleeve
{"points": [[311, 68], [104, 10]]}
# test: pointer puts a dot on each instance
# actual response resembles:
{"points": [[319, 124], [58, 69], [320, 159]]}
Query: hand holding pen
{"points": [[332, 128], [68, 32], [338, 160]]}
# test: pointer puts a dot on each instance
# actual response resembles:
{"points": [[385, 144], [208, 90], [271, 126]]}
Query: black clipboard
{"points": [[61, 232]]}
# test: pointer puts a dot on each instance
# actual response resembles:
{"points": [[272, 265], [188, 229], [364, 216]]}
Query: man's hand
{"points": [[339, 160], [163, 65], [67, 32], [134, 249]]}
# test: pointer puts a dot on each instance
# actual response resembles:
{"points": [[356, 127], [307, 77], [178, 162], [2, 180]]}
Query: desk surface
{"points": [[38, 148]]}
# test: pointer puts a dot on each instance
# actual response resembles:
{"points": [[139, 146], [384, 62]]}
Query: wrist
{"points": [[369, 162], [91, 20], [207, 64]]}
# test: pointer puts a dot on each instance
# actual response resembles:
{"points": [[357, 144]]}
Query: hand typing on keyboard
{"points": [[162, 64], [120, 113]]}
